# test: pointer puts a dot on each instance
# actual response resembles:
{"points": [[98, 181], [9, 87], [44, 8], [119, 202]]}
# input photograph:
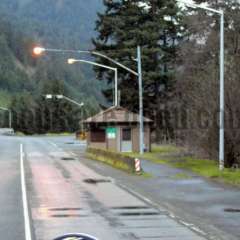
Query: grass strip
{"points": [[172, 156]]}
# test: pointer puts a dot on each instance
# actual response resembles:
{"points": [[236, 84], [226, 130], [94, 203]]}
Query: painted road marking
{"points": [[28, 235], [55, 145], [170, 214], [62, 151]]}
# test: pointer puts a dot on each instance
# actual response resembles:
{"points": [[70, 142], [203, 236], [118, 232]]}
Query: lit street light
{"points": [[72, 61], [222, 72], [50, 96], [40, 50], [9, 116]]}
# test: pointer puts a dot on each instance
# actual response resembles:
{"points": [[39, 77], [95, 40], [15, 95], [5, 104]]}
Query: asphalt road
{"points": [[11, 213], [65, 195], [193, 199]]}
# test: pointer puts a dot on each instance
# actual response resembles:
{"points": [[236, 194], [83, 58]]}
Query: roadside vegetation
{"points": [[116, 160], [179, 158], [180, 68]]}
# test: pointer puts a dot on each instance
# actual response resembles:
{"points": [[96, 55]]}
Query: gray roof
{"points": [[116, 114]]}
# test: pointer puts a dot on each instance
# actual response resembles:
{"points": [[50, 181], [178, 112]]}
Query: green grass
{"points": [[58, 134], [168, 154], [157, 154], [111, 162], [19, 134], [181, 176], [210, 169], [146, 175]]}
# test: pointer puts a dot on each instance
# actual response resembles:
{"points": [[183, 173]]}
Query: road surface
{"points": [[65, 195], [11, 210], [193, 199]]}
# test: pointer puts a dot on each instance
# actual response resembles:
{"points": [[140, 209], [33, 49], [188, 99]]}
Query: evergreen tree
{"points": [[155, 26]]}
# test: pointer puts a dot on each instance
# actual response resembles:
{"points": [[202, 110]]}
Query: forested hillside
{"points": [[180, 66], [58, 24]]}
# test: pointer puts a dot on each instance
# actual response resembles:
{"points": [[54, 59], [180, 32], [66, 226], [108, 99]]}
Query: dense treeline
{"points": [[180, 57], [25, 79], [157, 27], [180, 68], [198, 81]]}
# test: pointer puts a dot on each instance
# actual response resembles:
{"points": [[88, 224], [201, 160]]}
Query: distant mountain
{"points": [[53, 19], [52, 23]]}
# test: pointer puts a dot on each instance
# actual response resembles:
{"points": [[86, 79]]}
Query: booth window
{"points": [[98, 135], [126, 134]]}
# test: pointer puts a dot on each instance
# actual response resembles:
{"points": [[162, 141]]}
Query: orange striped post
{"points": [[138, 168]]}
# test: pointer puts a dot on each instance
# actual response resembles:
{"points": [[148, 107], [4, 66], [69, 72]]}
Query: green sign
{"points": [[111, 132]]}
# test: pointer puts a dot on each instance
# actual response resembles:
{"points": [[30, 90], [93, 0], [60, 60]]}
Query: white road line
{"points": [[73, 154], [145, 199], [28, 235], [55, 145], [62, 150], [170, 214]]}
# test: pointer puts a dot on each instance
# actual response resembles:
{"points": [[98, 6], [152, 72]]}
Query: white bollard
{"points": [[137, 165]]}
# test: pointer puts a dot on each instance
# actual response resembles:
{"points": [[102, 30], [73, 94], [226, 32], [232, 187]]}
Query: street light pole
{"points": [[72, 61], [222, 102], [70, 100], [9, 116], [141, 125], [222, 76], [10, 119], [40, 50], [50, 96]]}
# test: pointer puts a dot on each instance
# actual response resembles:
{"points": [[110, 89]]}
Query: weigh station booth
{"points": [[117, 129]]}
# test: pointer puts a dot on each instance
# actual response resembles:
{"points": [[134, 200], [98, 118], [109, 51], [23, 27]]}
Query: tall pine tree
{"points": [[155, 26]]}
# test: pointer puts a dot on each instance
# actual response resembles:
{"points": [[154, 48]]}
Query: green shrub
{"points": [[112, 158]]}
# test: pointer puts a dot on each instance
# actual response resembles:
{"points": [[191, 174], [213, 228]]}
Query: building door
{"points": [[126, 140]]}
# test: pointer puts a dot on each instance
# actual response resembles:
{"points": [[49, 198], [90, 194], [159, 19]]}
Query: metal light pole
{"points": [[222, 75], [141, 123], [40, 50], [50, 96], [222, 102], [74, 102], [72, 61], [9, 116]]}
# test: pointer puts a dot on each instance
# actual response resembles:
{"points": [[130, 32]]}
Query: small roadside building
{"points": [[117, 129]]}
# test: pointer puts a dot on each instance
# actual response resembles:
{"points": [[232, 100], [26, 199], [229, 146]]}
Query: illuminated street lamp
{"points": [[51, 96], [72, 61], [40, 50], [58, 96]]}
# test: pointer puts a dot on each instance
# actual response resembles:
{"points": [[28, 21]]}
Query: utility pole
{"points": [[40, 50], [222, 76], [141, 125], [221, 127], [115, 98], [9, 116]]}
